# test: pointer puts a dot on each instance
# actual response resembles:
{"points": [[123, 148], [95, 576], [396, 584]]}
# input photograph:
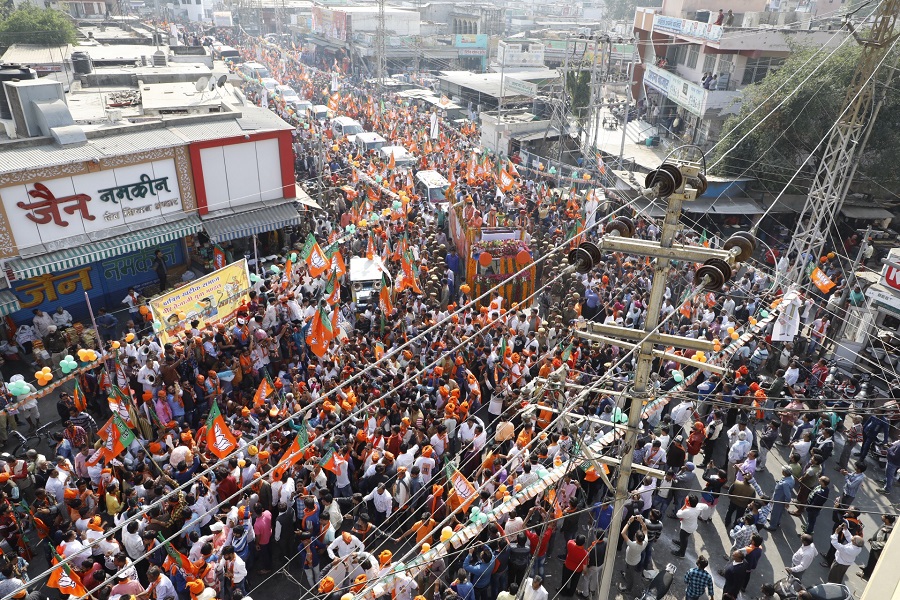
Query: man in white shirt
{"points": [[344, 546], [846, 550], [533, 590], [689, 516], [62, 318], [803, 557], [383, 503], [231, 568]]}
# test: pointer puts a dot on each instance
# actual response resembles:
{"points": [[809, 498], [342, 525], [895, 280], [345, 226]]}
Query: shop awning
{"points": [[736, 206], [305, 199], [866, 212], [8, 303], [62, 260], [252, 222]]}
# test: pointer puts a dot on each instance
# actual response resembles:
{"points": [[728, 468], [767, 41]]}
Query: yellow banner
{"points": [[211, 299]]}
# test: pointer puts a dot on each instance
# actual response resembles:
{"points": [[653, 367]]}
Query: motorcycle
{"points": [[659, 586], [790, 587]]}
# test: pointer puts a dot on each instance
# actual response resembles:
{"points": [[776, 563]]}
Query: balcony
{"points": [[690, 96]]}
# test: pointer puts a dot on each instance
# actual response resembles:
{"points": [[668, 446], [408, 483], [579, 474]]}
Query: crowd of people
{"points": [[332, 444]]}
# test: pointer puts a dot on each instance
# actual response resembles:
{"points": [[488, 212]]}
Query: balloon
{"points": [[426, 547], [46, 370], [397, 205], [823, 259], [65, 368], [386, 212], [831, 255], [254, 278], [752, 320], [115, 344], [717, 347], [82, 355], [293, 257], [731, 330], [764, 313], [446, 534], [586, 177], [574, 174], [552, 170], [482, 519], [523, 257], [129, 338], [678, 376], [374, 218], [485, 259], [182, 316], [275, 269], [38, 374], [735, 335], [335, 148], [540, 166], [351, 228], [157, 325], [91, 355], [476, 510], [378, 179]]}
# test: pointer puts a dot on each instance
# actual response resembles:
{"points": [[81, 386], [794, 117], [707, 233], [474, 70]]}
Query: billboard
{"points": [[211, 299], [333, 24]]}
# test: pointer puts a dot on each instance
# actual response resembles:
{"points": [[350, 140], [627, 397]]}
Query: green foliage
{"points": [[804, 119], [31, 25], [578, 86]]}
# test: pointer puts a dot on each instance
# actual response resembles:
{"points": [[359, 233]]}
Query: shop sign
{"points": [[890, 277], [517, 87], [473, 52], [657, 78], [471, 40], [884, 298], [211, 299], [54, 209], [106, 282], [687, 27]]}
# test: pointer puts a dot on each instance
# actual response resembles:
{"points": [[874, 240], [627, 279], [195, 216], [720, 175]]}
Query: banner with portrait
{"points": [[210, 299]]}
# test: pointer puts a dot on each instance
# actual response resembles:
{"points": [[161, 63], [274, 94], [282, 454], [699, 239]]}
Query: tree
{"points": [[618, 10], [787, 137], [578, 87], [32, 25]]}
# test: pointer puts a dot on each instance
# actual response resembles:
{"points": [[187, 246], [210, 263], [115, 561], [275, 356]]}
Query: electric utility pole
{"points": [[847, 141], [678, 184], [380, 58]]}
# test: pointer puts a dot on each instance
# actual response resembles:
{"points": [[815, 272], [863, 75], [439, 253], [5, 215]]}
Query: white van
{"points": [[431, 186], [320, 112], [345, 126], [369, 140], [254, 70], [402, 157], [365, 280]]}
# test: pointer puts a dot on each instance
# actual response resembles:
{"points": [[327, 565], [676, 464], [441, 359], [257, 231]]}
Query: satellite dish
{"points": [[201, 84], [212, 84], [221, 81]]}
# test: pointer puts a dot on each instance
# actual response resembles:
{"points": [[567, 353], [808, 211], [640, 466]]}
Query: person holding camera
{"points": [[633, 551]]}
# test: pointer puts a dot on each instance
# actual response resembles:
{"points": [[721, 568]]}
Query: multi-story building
{"points": [[692, 69]]}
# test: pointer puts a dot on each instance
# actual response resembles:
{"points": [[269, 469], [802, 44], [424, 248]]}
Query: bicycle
{"points": [[32, 441]]}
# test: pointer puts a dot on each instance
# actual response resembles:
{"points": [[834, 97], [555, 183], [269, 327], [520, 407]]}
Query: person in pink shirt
{"points": [[262, 527]]}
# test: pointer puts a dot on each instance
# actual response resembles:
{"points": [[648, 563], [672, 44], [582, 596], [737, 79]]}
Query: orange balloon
{"points": [[485, 259], [523, 257]]}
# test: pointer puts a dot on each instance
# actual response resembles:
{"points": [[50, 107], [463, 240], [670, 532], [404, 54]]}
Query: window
{"points": [[709, 63], [726, 64], [757, 68], [693, 54], [680, 53]]}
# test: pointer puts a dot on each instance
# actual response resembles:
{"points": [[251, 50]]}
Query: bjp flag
{"points": [[219, 439], [384, 298], [290, 458], [314, 256], [320, 333], [264, 390], [462, 494], [65, 579]]}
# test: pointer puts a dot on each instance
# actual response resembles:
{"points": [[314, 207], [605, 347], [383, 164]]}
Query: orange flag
{"points": [[370, 249], [506, 180], [66, 580], [290, 458], [219, 439], [316, 260], [320, 332], [384, 297], [392, 163], [263, 391]]}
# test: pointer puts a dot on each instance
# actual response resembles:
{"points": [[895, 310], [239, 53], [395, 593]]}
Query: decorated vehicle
{"points": [[492, 254]]}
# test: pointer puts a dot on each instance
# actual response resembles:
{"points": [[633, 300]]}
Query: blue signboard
{"points": [[106, 283]]}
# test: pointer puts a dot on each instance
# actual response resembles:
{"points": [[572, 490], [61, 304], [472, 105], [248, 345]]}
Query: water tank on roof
{"points": [[81, 63], [12, 73]]}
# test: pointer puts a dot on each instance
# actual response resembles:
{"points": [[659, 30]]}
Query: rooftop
{"points": [[489, 83]]}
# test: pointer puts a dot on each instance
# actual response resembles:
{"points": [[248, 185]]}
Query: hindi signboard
{"points": [[517, 87], [211, 299]]}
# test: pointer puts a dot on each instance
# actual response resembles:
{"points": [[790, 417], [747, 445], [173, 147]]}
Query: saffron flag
{"points": [[78, 398], [116, 437], [332, 289], [384, 298], [370, 248], [506, 180], [338, 264], [316, 260], [328, 462], [291, 457], [463, 493], [264, 390], [320, 332], [176, 558], [65, 579], [821, 280], [392, 163], [219, 439]]}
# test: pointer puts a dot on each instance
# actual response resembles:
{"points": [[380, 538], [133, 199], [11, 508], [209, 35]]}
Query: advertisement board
{"points": [[687, 27], [330, 23], [46, 211], [106, 283], [211, 299]]}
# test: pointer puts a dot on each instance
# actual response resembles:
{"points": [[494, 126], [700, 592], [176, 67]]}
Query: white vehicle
{"points": [[431, 186], [270, 84], [402, 156], [286, 94], [254, 70], [301, 108], [345, 126], [369, 140], [365, 280], [320, 112]]}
